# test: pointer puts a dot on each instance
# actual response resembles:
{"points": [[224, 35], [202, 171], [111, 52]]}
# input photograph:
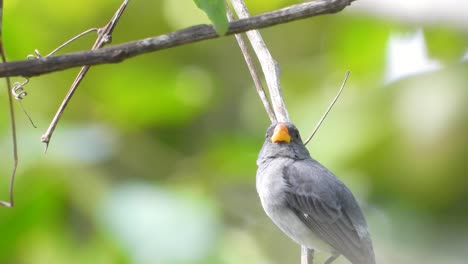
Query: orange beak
{"points": [[281, 134]]}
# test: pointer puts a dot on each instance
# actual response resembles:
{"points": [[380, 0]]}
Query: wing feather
{"points": [[329, 209]]}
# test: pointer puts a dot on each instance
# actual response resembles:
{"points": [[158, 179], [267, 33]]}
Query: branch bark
{"points": [[253, 72], [270, 67], [118, 53]]}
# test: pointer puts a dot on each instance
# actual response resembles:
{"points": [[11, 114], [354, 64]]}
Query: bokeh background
{"points": [[154, 159]]}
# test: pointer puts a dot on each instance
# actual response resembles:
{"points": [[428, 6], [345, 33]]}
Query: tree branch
{"points": [[270, 67], [104, 36], [253, 72], [193, 34]]}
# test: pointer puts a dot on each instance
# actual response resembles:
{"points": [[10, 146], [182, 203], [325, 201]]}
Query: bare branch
{"points": [[270, 67], [11, 199], [127, 50], [104, 37], [253, 72], [38, 55], [329, 108]]}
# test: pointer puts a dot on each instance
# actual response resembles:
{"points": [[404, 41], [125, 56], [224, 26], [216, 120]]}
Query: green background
{"points": [[154, 159]]}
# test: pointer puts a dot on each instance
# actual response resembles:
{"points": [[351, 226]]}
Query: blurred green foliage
{"points": [[182, 128]]}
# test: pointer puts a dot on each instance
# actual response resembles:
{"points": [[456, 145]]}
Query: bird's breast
{"points": [[271, 189], [270, 183]]}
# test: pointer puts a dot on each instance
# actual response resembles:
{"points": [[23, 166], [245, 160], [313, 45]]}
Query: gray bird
{"points": [[307, 202]]}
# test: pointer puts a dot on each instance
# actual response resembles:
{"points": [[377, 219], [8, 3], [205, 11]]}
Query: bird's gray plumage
{"points": [[308, 202]]}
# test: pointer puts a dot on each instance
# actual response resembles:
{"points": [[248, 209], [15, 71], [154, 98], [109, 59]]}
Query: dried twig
{"points": [[329, 108], [18, 90], [253, 72], [11, 201], [124, 51], [269, 66], [104, 37]]}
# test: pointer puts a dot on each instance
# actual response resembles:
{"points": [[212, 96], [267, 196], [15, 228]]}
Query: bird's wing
{"points": [[329, 209]]}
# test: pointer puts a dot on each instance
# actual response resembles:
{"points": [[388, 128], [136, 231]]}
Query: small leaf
{"points": [[216, 11]]}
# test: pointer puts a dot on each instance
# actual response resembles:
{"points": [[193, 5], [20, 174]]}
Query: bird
{"points": [[307, 201]]}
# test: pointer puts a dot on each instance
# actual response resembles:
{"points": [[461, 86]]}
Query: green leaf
{"points": [[216, 11]]}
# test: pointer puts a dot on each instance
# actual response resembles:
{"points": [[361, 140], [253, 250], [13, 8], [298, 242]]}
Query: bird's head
{"points": [[283, 140]]}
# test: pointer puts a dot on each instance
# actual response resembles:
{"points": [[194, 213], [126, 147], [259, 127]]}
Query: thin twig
{"points": [[18, 87], [193, 34], [11, 201], [253, 72], [307, 255], [329, 108], [104, 37], [19, 93], [269, 66], [38, 55], [27, 114]]}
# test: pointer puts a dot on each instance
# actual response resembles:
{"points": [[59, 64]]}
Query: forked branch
{"points": [[104, 37], [253, 72], [269, 66], [193, 34]]}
